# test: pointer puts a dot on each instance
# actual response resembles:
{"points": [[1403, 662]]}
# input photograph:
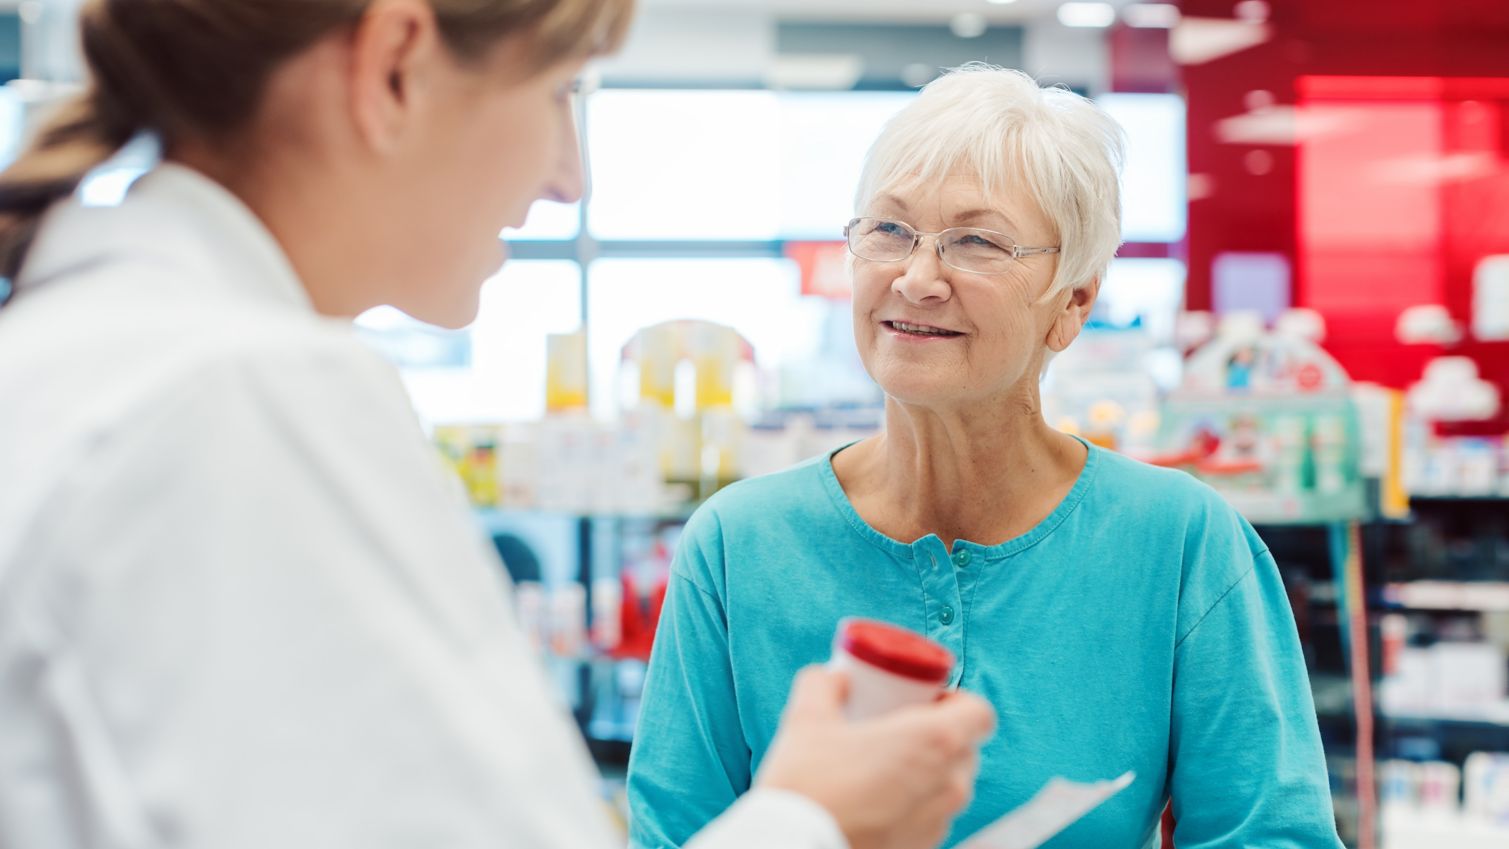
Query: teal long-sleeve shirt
{"points": [[1141, 626]]}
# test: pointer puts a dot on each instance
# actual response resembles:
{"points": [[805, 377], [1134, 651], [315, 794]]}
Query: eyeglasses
{"points": [[582, 88], [965, 248]]}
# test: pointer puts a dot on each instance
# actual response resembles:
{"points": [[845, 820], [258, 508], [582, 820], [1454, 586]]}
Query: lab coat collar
{"points": [[172, 215]]}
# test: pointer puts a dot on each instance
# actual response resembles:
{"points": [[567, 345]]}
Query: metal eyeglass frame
{"points": [[1017, 251]]}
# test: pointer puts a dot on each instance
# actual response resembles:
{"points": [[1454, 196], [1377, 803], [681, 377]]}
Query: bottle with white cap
{"points": [[889, 667]]}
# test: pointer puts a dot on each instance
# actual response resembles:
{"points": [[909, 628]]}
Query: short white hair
{"points": [[1000, 125]]}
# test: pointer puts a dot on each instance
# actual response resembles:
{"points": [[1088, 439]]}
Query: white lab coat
{"points": [[242, 606]]}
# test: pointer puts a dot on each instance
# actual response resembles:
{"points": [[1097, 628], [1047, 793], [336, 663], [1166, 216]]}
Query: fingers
{"points": [[971, 713], [951, 796], [961, 781], [952, 727], [818, 693]]}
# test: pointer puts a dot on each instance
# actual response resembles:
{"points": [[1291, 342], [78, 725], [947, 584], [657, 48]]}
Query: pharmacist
{"points": [[240, 603]]}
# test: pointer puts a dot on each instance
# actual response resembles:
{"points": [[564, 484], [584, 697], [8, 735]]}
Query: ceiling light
{"points": [[969, 25], [918, 74], [1198, 40], [1151, 15], [1087, 14], [1252, 11]]}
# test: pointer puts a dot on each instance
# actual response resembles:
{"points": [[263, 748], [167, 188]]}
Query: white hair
{"points": [[999, 125]]}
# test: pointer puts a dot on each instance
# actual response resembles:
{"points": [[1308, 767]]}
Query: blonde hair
{"points": [[197, 68], [1000, 125]]}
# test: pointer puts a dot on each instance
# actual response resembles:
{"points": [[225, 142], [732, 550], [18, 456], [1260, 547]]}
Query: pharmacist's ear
{"points": [[1072, 313], [394, 52]]}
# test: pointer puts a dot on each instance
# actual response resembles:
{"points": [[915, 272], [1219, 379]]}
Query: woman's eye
{"points": [[977, 241]]}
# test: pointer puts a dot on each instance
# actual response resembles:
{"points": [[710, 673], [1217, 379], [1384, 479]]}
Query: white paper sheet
{"points": [[1053, 809]]}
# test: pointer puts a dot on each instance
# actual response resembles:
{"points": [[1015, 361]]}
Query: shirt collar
{"points": [[177, 216]]}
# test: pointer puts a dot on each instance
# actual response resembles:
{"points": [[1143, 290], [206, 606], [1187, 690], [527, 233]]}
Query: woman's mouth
{"points": [[919, 331]]}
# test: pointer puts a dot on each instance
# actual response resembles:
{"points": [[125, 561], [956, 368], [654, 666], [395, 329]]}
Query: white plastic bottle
{"points": [[888, 667]]}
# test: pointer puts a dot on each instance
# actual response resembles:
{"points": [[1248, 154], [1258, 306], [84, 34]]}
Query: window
{"points": [[548, 221], [505, 380], [684, 164], [1153, 196], [823, 141], [1147, 291]]}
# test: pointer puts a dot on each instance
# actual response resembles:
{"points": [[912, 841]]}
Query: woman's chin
{"points": [[921, 391]]}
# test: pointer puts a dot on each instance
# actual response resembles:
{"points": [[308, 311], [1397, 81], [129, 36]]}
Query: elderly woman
{"points": [[1119, 617]]}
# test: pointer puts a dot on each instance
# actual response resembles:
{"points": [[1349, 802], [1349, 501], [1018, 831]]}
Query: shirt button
{"points": [[961, 558], [946, 615]]}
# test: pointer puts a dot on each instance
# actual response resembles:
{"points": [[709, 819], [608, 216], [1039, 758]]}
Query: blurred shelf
{"points": [[596, 658], [1495, 715], [1487, 596], [1453, 499], [1332, 694], [1404, 829], [500, 515], [1461, 496]]}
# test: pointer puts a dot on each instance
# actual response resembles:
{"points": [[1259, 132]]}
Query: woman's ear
{"points": [[391, 49], [1072, 316]]}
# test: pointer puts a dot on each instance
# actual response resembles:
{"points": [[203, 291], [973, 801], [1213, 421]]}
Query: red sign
{"points": [[825, 268], [1309, 377]]}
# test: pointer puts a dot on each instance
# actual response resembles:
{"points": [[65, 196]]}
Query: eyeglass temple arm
{"points": [[1018, 251]]}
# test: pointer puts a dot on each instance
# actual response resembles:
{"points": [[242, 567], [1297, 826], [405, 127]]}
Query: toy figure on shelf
{"points": [[1239, 368], [1267, 418]]}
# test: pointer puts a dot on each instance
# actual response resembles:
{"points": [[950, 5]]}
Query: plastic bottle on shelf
{"points": [[722, 449], [1291, 471], [566, 473], [1440, 784], [607, 613], [637, 455], [518, 467], [530, 606], [565, 372], [1485, 787], [1329, 454], [568, 620]]}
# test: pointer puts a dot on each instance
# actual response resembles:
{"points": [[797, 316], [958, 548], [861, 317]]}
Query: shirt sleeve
{"points": [[772, 819], [689, 761], [274, 624], [1246, 764]]}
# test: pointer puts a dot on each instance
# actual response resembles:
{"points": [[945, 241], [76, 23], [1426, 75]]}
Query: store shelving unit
{"points": [[586, 548], [1446, 569], [1403, 831], [1464, 596]]}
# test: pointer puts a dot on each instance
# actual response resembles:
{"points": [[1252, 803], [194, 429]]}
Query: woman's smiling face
{"points": [[934, 335]]}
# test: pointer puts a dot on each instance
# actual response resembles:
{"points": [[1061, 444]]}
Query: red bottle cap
{"points": [[895, 650]]}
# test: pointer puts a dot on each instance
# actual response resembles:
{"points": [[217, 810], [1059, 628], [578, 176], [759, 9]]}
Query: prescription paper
{"points": [[1053, 809]]}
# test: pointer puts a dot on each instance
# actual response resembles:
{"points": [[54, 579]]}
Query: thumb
{"points": [[971, 713], [819, 693]]}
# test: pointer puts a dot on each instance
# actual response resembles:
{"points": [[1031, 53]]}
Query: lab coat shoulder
{"points": [[281, 432], [290, 633]]}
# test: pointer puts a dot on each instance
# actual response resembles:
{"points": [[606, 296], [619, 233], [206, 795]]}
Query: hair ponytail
{"points": [[75, 139]]}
